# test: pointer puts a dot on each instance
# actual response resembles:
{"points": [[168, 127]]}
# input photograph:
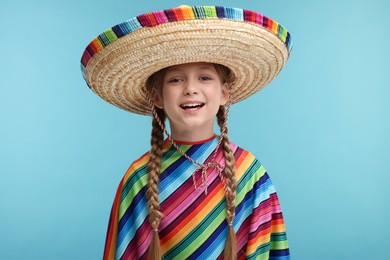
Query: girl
{"points": [[194, 195]]}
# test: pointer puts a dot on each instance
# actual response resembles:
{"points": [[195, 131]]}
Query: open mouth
{"points": [[192, 106]]}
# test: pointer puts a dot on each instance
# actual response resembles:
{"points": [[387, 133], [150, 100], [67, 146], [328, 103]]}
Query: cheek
{"points": [[169, 92], [165, 95], [217, 95], [170, 97]]}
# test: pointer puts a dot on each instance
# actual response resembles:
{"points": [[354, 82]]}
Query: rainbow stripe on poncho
{"points": [[193, 224]]}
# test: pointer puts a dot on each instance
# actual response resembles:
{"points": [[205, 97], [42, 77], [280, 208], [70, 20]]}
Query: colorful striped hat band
{"points": [[118, 62]]}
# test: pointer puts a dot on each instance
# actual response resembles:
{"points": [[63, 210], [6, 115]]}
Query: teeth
{"points": [[192, 105]]}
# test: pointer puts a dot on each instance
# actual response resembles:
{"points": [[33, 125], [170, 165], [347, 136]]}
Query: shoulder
{"points": [[249, 169], [136, 174], [139, 166], [244, 158]]}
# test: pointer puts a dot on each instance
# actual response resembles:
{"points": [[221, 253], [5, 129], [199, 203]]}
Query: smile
{"points": [[192, 106]]}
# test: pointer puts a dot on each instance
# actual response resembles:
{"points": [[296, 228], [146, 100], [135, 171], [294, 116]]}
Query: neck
{"points": [[191, 135]]}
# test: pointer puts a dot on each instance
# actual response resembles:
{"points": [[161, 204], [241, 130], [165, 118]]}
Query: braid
{"points": [[154, 168], [231, 185]]}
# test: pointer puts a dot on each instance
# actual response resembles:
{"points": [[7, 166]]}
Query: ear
{"points": [[157, 99], [225, 94]]}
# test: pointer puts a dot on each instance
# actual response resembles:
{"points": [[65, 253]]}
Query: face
{"points": [[191, 96]]}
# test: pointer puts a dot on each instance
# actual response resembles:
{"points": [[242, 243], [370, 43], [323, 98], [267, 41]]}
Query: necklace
{"points": [[204, 167]]}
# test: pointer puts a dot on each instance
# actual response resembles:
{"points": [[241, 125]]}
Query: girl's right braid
{"points": [[231, 186], [154, 168]]}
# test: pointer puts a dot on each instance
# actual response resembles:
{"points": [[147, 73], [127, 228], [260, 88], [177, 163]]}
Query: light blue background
{"points": [[321, 128]]}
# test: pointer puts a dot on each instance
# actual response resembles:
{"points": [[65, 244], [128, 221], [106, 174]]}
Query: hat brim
{"points": [[118, 71]]}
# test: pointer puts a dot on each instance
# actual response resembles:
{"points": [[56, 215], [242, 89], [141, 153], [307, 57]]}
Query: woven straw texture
{"points": [[117, 63]]}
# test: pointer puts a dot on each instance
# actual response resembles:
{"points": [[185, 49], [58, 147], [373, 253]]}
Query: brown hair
{"points": [[153, 84]]}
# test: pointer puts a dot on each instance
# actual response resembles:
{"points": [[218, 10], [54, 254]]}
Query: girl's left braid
{"points": [[230, 251]]}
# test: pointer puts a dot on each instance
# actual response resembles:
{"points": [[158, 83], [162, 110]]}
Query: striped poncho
{"points": [[193, 224]]}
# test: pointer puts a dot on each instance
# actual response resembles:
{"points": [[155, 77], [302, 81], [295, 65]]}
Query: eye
{"points": [[175, 80], [205, 78]]}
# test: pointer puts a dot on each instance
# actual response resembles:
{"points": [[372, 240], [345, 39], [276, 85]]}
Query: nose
{"points": [[190, 88]]}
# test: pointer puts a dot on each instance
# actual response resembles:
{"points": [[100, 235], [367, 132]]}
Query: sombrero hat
{"points": [[118, 62]]}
